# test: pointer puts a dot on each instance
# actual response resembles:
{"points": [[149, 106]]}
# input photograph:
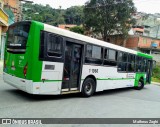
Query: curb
{"points": [[156, 83]]}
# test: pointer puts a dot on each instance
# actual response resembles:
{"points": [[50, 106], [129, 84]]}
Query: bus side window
{"points": [[131, 63], [51, 47], [94, 54], [139, 64], [122, 62], [42, 40], [110, 57], [54, 46]]}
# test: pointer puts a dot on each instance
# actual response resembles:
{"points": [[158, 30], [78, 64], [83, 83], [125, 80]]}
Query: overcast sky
{"points": [[148, 6]]}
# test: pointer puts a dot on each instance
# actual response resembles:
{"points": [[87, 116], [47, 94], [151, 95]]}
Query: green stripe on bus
{"points": [[144, 55], [97, 79], [51, 81], [113, 78]]}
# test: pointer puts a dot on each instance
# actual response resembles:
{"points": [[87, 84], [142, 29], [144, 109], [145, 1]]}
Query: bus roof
{"points": [[90, 40]]}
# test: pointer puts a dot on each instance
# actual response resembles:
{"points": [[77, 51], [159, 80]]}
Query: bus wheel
{"points": [[140, 85], [88, 87]]}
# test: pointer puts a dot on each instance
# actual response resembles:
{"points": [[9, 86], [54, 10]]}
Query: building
{"points": [[138, 41], [65, 26], [16, 7], [3, 27]]}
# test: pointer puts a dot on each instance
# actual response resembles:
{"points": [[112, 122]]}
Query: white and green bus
{"points": [[43, 59]]}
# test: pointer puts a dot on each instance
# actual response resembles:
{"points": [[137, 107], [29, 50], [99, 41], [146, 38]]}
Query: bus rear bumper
{"points": [[19, 83], [32, 87]]}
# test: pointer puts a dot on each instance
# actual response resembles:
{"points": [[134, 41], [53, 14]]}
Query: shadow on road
{"points": [[29, 97]]}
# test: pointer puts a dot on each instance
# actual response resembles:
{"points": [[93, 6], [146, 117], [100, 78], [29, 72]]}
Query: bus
{"points": [[46, 60]]}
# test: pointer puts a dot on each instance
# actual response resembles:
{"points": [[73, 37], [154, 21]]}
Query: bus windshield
{"points": [[17, 37]]}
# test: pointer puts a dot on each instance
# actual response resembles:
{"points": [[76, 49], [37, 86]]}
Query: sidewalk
{"points": [[1, 68]]}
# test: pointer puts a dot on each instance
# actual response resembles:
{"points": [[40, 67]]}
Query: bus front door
{"points": [[72, 67], [149, 71]]}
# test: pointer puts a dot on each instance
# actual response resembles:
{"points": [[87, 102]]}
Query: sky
{"points": [[147, 6]]}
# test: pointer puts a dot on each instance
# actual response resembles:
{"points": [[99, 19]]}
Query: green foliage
{"points": [[107, 17], [74, 15], [46, 14], [156, 72], [77, 29]]}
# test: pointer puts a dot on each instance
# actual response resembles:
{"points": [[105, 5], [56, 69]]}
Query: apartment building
{"points": [[3, 27]]}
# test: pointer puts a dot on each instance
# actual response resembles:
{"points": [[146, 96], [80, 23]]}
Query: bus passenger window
{"points": [[112, 55], [131, 63], [94, 54], [122, 62], [89, 51], [54, 46]]}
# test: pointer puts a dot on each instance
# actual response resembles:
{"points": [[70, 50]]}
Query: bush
{"points": [[156, 72], [77, 29]]}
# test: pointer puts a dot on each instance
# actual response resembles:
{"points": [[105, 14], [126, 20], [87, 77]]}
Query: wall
{"points": [[156, 57], [145, 42], [132, 42]]}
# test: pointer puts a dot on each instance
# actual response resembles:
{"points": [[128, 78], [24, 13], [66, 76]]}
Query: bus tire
{"points": [[88, 87], [140, 85]]}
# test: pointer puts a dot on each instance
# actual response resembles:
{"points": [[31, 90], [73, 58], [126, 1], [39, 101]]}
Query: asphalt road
{"points": [[121, 103]]}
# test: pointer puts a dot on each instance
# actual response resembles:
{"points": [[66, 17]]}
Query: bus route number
{"points": [[93, 70]]}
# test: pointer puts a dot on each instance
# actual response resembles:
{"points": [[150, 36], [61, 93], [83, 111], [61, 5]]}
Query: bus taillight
{"points": [[25, 70]]}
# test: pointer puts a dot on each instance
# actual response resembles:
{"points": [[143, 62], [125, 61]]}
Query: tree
{"points": [[109, 17], [74, 15], [77, 29], [46, 14]]}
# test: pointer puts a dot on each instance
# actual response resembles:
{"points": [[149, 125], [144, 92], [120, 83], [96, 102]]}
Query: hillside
{"points": [[49, 15]]}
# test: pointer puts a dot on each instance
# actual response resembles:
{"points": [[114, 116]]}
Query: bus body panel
{"points": [[138, 77], [35, 67], [51, 77], [108, 77]]}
